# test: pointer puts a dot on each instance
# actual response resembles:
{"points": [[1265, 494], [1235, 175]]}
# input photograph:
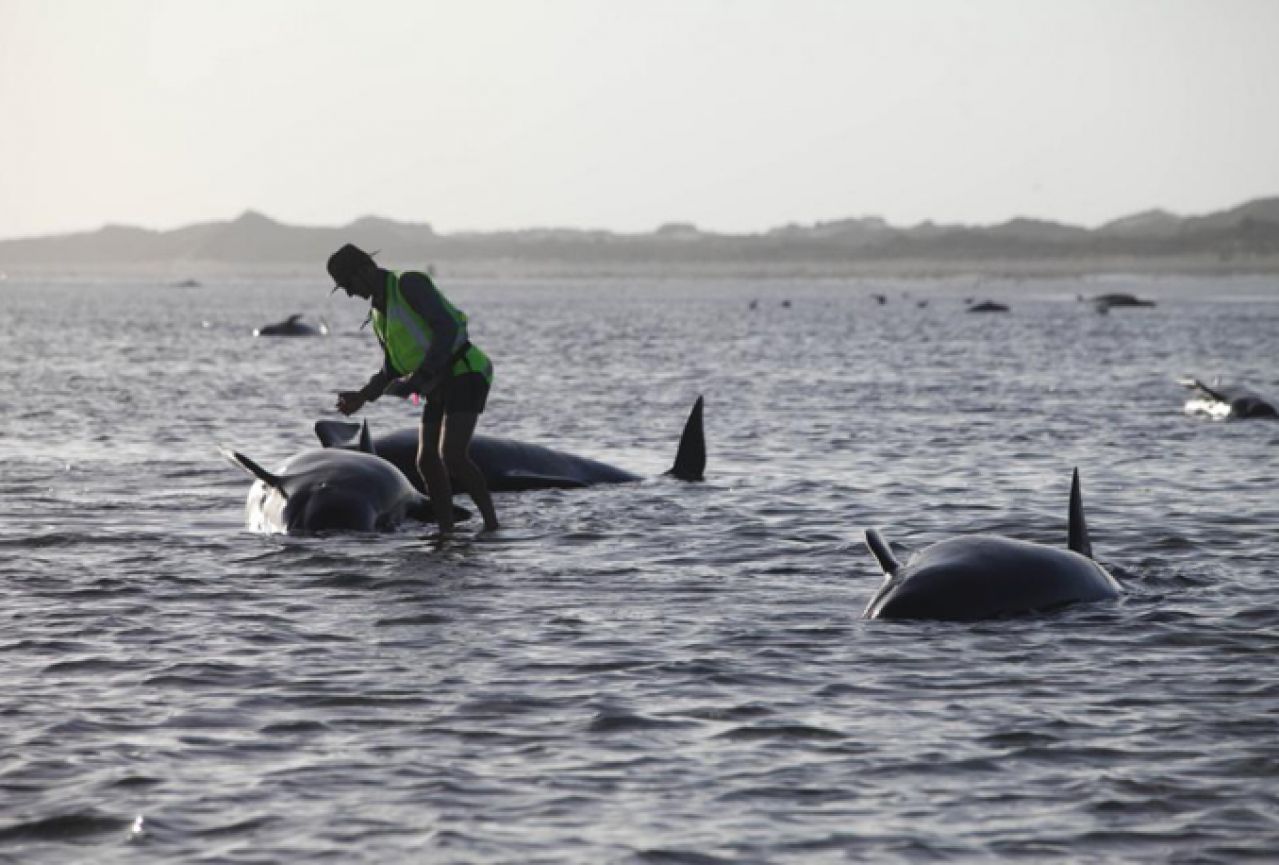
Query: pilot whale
{"points": [[291, 326], [975, 577], [513, 466], [1226, 400], [331, 490]]}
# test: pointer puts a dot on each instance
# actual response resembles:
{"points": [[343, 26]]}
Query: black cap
{"points": [[346, 263]]}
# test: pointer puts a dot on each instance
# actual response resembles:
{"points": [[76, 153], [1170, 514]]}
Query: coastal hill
{"points": [[1242, 239]]}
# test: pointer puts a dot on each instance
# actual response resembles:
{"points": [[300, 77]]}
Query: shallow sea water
{"points": [[656, 672]]}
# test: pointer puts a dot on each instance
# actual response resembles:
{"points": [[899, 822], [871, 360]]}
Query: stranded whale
{"points": [[331, 490], [513, 466], [1105, 302], [976, 577], [1225, 400], [292, 326]]}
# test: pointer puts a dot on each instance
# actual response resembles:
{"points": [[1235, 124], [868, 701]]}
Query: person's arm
{"points": [[351, 401], [425, 299], [376, 384]]}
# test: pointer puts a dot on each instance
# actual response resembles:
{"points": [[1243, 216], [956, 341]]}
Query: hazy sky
{"points": [[738, 115]]}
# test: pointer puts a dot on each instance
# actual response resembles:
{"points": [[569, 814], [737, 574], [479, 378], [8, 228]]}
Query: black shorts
{"points": [[459, 393]]}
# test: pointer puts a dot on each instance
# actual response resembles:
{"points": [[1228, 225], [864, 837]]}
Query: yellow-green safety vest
{"points": [[405, 335]]}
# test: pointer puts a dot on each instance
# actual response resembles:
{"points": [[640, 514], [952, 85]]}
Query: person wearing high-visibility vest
{"points": [[425, 349]]}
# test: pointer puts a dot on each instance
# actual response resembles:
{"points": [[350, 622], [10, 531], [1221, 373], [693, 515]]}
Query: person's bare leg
{"points": [[458, 430], [434, 475]]}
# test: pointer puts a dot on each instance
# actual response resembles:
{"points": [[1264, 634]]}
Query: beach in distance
{"points": [[1238, 240], [655, 671]]}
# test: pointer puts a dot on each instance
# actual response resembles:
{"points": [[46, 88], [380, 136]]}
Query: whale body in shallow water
{"points": [[1227, 400], [975, 577], [1106, 302], [291, 326], [331, 490], [987, 306], [512, 466]]}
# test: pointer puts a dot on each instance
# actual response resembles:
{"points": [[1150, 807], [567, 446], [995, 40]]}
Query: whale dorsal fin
{"points": [[690, 459], [1078, 531], [293, 319], [345, 434], [240, 460], [882, 552]]}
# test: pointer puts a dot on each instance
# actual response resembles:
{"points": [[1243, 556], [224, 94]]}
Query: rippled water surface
{"points": [[650, 673]]}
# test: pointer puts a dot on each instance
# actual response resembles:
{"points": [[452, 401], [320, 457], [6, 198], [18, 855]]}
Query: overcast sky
{"points": [[737, 115]]}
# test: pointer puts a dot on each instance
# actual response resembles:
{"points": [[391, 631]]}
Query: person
{"points": [[425, 349]]}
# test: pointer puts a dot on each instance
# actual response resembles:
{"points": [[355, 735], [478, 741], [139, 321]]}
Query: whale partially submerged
{"points": [[1105, 302], [331, 490], [292, 326], [976, 577], [1222, 401], [514, 466]]}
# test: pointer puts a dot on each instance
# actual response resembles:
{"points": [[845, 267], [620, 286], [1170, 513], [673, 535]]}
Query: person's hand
{"points": [[350, 401]]}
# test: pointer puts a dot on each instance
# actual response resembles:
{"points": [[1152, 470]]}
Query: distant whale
{"points": [[1224, 401], [513, 466], [988, 306], [1104, 302], [331, 490], [977, 577], [292, 326]]}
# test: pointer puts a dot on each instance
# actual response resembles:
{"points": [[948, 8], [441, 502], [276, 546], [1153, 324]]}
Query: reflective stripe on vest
{"points": [[407, 337]]}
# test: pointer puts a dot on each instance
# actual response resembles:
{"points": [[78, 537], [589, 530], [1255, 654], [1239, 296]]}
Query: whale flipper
{"points": [[882, 552], [690, 458], [239, 459], [1078, 531]]}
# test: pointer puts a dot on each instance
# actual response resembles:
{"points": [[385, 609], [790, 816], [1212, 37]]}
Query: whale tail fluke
{"points": [[240, 460], [882, 552], [345, 434], [690, 459], [1078, 531]]}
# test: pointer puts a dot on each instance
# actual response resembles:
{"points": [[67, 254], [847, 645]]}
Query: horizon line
{"points": [[252, 211]]}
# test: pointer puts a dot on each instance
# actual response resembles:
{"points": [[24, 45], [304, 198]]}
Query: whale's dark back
{"points": [[513, 466], [328, 490], [508, 465], [292, 326], [988, 577]]}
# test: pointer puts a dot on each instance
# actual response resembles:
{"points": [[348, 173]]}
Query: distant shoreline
{"points": [[1241, 240], [1074, 267]]}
